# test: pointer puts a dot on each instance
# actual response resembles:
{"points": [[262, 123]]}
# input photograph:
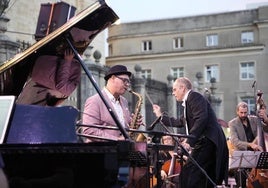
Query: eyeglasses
{"points": [[125, 80]]}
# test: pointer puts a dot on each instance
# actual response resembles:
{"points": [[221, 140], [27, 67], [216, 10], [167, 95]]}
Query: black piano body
{"points": [[73, 165], [39, 164], [42, 149]]}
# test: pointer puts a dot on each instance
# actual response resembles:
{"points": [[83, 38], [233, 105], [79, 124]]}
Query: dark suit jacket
{"points": [[202, 121]]}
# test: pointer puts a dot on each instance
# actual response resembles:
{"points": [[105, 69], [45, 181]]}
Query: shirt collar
{"points": [[111, 97], [185, 98]]}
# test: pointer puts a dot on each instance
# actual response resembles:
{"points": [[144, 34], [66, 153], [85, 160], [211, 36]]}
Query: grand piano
{"points": [[41, 147]]}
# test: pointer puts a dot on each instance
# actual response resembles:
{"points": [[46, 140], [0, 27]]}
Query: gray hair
{"points": [[242, 105], [185, 81]]}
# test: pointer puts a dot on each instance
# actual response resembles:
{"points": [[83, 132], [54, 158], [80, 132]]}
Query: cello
{"points": [[259, 177], [172, 168]]}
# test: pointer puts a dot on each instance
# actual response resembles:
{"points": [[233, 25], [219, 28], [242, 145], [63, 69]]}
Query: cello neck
{"points": [[260, 104], [173, 159], [172, 164], [261, 140]]}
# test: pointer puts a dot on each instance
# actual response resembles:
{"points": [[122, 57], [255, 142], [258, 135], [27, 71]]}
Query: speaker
{"points": [[51, 17]]}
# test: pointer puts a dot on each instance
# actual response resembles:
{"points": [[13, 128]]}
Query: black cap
{"points": [[117, 70]]}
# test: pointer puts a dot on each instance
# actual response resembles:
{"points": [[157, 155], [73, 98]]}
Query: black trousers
{"points": [[204, 153]]}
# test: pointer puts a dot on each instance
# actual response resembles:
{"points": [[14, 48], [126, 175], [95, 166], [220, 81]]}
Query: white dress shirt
{"points": [[117, 107], [184, 111]]}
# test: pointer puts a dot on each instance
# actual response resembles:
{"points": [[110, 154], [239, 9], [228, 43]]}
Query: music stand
{"points": [[244, 159], [263, 161]]}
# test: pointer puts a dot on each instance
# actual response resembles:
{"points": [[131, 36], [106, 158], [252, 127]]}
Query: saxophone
{"points": [[133, 125]]}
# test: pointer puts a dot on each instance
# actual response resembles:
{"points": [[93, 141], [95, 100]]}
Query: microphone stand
{"points": [[184, 151], [157, 147], [196, 163]]}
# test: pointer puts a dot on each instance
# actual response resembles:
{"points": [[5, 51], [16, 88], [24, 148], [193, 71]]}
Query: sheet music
{"points": [[244, 159]]}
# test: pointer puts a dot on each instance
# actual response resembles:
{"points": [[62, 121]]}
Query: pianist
{"points": [[53, 80]]}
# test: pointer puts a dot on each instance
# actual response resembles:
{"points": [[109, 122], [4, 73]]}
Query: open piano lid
{"points": [[14, 73]]}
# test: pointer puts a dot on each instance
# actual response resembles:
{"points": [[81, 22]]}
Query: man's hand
{"points": [[68, 55], [263, 115], [186, 145], [163, 175], [157, 110], [255, 147]]}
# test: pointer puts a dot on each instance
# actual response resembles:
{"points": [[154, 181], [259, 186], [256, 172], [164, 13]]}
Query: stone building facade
{"points": [[230, 48], [23, 17]]}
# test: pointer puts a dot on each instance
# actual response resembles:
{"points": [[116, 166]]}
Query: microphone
{"points": [[253, 85], [153, 124]]}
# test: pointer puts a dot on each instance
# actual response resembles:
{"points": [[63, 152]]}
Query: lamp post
{"points": [[3, 6]]}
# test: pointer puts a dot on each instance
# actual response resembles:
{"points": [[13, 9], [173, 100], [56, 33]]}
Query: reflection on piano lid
{"points": [[34, 124], [94, 19]]}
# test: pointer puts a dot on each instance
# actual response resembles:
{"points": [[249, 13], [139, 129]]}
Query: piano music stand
{"points": [[244, 159]]}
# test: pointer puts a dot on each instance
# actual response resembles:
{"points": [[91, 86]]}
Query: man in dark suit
{"points": [[208, 146]]}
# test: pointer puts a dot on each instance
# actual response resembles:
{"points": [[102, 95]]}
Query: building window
{"points": [[177, 72], [146, 73], [247, 37], [212, 40], [146, 45], [247, 71], [251, 104], [177, 43], [211, 71]]}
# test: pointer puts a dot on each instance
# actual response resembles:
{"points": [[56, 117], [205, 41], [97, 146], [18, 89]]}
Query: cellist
{"points": [[259, 176], [171, 165], [243, 136]]}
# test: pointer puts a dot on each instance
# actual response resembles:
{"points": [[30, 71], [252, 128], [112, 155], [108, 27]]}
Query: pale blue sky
{"points": [[139, 10]]}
